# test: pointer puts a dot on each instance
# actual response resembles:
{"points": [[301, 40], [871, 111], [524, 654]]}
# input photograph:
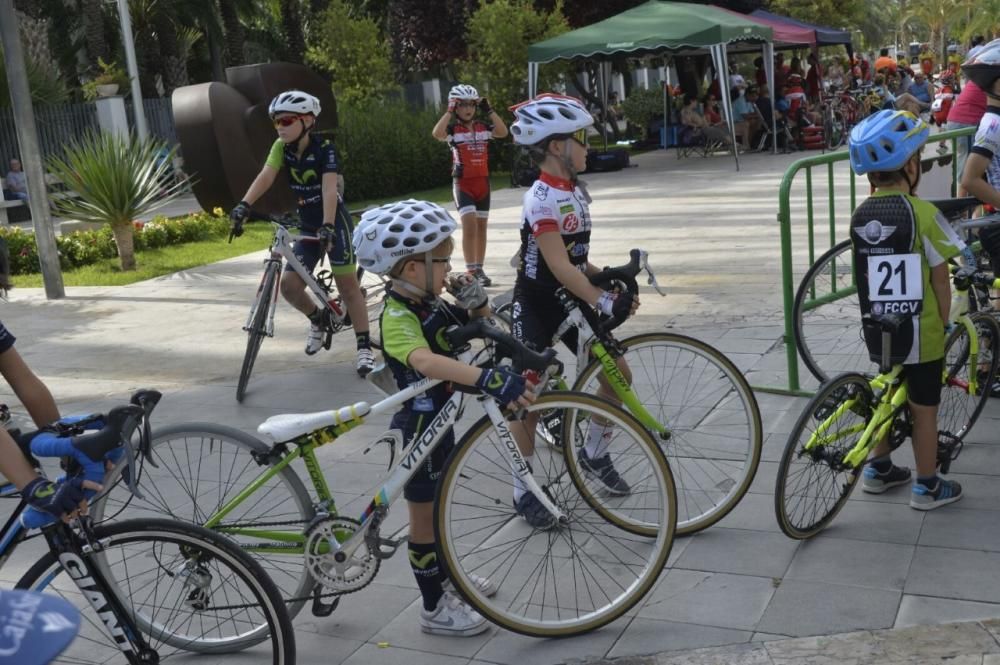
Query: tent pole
{"points": [[769, 72], [722, 74]]}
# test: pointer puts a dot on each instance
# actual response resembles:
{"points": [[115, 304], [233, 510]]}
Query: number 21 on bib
{"points": [[895, 284]]}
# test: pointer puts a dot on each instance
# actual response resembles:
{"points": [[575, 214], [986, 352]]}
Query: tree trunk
{"points": [[125, 243], [173, 65], [234, 32], [291, 25], [215, 56], [93, 28]]}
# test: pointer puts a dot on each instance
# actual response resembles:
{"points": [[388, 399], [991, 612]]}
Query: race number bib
{"points": [[895, 284]]}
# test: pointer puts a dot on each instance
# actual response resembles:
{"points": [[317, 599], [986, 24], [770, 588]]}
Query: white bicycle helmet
{"points": [[983, 66], [548, 115], [396, 230], [294, 101], [463, 91]]}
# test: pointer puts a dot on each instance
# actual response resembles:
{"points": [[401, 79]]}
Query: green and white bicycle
{"points": [[693, 400]]}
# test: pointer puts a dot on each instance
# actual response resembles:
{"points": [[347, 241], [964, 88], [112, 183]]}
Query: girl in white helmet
{"points": [[555, 245], [411, 242], [468, 138], [312, 174]]}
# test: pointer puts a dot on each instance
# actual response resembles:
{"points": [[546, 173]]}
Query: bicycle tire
{"points": [[257, 332], [834, 130], [477, 473], [373, 287], [663, 365], [828, 337], [241, 570], [960, 409], [192, 456], [792, 488]]}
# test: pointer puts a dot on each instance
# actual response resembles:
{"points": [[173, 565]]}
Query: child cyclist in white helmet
{"points": [[312, 169], [555, 244], [411, 242], [469, 138]]}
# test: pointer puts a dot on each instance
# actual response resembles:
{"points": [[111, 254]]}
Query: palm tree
{"points": [[116, 179], [92, 15], [291, 25], [233, 29], [937, 15]]}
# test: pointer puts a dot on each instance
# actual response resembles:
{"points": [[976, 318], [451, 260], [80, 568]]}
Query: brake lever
{"points": [[651, 279]]}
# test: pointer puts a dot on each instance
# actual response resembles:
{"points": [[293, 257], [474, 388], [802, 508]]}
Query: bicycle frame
{"points": [[346, 419]]}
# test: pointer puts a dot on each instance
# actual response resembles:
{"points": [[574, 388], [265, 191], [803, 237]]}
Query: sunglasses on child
{"points": [[287, 120]]}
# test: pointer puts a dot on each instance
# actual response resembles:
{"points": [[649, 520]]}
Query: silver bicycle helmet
{"points": [[294, 101], [392, 232], [548, 115], [463, 91]]}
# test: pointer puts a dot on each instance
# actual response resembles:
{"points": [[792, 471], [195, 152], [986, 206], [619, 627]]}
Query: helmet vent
{"points": [[390, 242]]}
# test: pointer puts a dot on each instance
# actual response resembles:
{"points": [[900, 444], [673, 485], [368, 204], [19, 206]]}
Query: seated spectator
{"points": [[835, 74], [745, 114], [690, 117], [795, 68], [922, 90], [885, 62], [882, 90], [15, 182]]}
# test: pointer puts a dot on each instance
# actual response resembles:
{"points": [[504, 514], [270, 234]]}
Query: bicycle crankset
{"points": [[335, 569]]}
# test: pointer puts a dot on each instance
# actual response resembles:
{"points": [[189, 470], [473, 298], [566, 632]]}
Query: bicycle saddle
{"points": [[956, 208]]}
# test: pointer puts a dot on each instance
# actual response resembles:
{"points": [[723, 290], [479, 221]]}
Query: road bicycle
{"points": [[836, 124], [852, 413], [260, 320], [603, 556], [825, 309], [149, 590], [693, 400]]}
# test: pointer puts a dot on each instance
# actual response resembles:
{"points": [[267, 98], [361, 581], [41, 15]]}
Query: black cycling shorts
{"points": [[423, 484], [7, 339], [341, 255], [536, 320], [923, 382]]}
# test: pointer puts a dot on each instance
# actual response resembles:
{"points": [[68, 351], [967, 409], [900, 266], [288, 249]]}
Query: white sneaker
{"points": [[314, 341], [366, 362], [452, 617], [484, 585]]}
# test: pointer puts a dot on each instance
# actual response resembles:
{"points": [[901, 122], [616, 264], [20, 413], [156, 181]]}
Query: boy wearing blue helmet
{"points": [[901, 246]]}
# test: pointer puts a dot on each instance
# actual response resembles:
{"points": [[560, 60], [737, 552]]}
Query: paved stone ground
{"points": [[714, 243]]}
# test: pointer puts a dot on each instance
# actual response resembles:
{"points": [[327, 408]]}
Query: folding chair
{"points": [[691, 140]]}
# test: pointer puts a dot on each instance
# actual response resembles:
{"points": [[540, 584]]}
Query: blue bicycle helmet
{"points": [[886, 140]]}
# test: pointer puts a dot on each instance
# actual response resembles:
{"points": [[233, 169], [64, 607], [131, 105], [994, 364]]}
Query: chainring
{"points": [[354, 572]]}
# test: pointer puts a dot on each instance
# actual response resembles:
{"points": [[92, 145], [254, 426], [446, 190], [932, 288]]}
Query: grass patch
{"points": [[162, 261], [438, 195]]}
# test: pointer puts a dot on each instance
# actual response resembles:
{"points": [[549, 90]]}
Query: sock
{"points": [[364, 340], [472, 267], [316, 317], [423, 561], [881, 464], [930, 482], [598, 439], [520, 489]]}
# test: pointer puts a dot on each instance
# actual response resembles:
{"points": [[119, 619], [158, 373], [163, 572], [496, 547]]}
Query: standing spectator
{"points": [[835, 74], [885, 62], [760, 75], [814, 78], [16, 182], [967, 111], [796, 67], [780, 71], [736, 80]]}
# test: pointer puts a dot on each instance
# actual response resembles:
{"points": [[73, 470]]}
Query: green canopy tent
{"points": [[660, 27]]}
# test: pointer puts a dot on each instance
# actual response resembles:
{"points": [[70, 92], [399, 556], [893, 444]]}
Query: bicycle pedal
{"points": [[323, 609], [386, 547]]}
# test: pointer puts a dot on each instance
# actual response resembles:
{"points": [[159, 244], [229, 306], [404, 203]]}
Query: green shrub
{"points": [[642, 106], [82, 248], [387, 149]]}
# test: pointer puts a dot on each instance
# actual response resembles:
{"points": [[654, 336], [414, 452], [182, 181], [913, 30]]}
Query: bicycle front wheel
{"points": [[813, 481], [258, 327], [962, 400], [201, 467], [373, 287], [586, 571], [186, 589], [827, 327], [705, 404]]}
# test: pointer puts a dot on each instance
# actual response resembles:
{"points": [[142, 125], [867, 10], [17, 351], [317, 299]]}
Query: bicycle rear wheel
{"points": [[186, 588], [827, 326], [583, 573], [373, 287], [201, 467], [258, 326], [960, 404], [813, 483], [714, 424]]}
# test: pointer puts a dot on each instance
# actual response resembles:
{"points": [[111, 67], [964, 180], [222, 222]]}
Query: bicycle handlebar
{"points": [[522, 357], [624, 275], [286, 220]]}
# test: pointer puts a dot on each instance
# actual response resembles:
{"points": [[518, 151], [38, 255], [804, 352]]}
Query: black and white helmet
{"points": [[463, 91], [983, 65], [294, 101], [388, 234], [548, 115]]}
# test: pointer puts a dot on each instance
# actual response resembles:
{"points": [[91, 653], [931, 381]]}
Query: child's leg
{"points": [[423, 556], [925, 439]]}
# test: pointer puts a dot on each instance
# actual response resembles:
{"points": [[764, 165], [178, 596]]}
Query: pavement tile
{"points": [[759, 553], [754, 512], [962, 529], [877, 521], [360, 615], [943, 644], [803, 608], [711, 599], [926, 610], [854, 648], [508, 648], [649, 636], [327, 649], [749, 654], [372, 654], [765, 478], [954, 573], [404, 629], [851, 562]]}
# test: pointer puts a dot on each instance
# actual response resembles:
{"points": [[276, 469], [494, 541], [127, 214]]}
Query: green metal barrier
{"points": [[789, 283]]}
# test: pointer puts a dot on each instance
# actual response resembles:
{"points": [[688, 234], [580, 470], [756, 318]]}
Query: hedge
{"points": [[82, 248]]}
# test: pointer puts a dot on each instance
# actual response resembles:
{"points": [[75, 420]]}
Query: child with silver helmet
{"points": [[901, 246], [411, 242]]}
